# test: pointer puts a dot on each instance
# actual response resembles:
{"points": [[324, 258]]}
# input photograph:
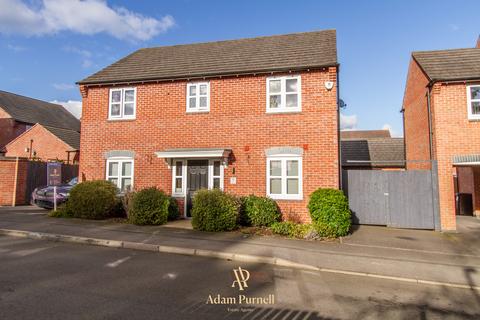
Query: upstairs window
{"points": [[473, 102], [198, 97], [122, 103], [284, 94]]}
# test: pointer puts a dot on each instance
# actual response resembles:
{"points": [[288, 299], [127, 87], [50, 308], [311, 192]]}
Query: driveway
{"points": [[461, 242]]}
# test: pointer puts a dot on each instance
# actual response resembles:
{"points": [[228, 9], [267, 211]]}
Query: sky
{"points": [[48, 45]]}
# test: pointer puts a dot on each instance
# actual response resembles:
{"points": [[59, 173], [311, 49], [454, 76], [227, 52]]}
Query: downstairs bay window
{"points": [[284, 177]]}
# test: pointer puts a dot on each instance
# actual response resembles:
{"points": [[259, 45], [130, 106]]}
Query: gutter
{"points": [[200, 77]]}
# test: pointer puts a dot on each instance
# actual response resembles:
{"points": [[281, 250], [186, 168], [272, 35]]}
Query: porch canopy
{"points": [[195, 153], [466, 160]]}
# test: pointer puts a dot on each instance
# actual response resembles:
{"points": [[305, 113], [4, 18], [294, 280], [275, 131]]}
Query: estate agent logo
{"points": [[236, 303], [242, 276]]}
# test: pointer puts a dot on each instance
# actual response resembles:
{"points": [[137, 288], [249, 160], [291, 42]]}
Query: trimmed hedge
{"points": [[291, 229], [259, 211], [150, 206], [330, 213], [215, 210], [92, 200]]}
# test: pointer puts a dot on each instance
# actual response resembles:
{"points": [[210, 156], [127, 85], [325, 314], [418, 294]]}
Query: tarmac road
{"points": [[45, 280]]}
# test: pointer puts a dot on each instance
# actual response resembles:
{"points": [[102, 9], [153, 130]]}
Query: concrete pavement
{"points": [[426, 255], [48, 280]]}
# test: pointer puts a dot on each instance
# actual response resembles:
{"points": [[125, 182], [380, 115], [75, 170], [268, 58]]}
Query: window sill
{"points": [[121, 119], [199, 111], [474, 119], [283, 111], [283, 198]]}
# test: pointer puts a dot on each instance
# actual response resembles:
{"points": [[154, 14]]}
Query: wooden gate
{"points": [[401, 199], [37, 176]]}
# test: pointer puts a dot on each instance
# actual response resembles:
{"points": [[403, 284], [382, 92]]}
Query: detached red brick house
{"points": [[32, 128], [250, 116], [442, 122]]}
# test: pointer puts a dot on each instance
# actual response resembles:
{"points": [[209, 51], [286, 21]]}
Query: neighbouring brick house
{"points": [[371, 150], [441, 121], [250, 116], [32, 128], [46, 143]]}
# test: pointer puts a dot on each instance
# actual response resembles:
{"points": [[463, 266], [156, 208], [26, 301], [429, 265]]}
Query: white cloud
{"points": [[15, 48], [85, 54], [348, 122], [393, 132], [85, 17], [63, 86], [73, 106]]}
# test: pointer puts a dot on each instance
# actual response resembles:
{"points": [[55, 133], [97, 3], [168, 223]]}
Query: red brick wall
{"points": [[9, 128], [7, 181], [454, 135], [416, 118], [236, 120], [46, 145]]}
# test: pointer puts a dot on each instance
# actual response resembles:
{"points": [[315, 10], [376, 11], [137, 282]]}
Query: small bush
{"points": [[149, 206], [291, 229], [329, 211], [92, 200], [214, 210], [173, 212], [61, 212], [259, 211]]}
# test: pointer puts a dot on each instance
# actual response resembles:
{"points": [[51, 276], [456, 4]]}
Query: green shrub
{"points": [[329, 211], [173, 212], [214, 210], [61, 212], [92, 200], [291, 229], [149, 206], [259, 211]]}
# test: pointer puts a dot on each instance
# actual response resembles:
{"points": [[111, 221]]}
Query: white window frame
{"points": [[284, 196], [283, 94], [122, 104], [197, 97], [472, 116], [211, 175], [119, 176], [183, 176]]}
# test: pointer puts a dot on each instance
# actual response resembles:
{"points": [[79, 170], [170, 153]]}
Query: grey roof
{"points": [[375, 152], [263, 54], [29, 110], [449, 65], [364, 134], [70, 137]]}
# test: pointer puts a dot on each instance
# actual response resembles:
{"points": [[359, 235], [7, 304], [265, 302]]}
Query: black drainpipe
{"points": [[430, 132], [338, 131]]}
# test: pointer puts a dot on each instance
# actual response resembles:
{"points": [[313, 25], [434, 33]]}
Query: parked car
{"points": [[43, 196]]}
